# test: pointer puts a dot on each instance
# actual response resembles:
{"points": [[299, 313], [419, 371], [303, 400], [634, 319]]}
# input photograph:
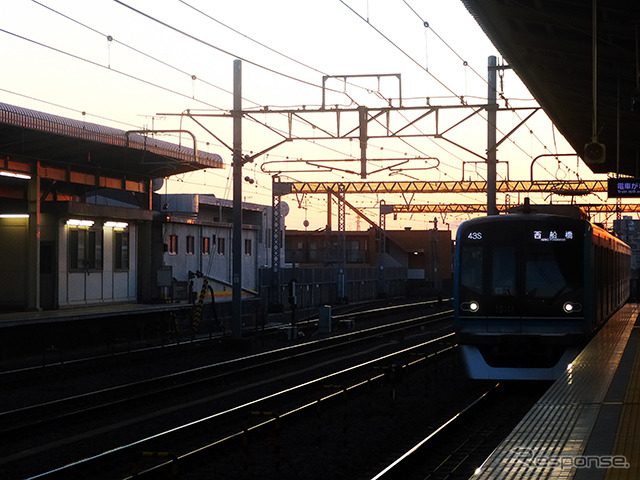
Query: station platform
{"points": [[587, 425], [17, 319]]}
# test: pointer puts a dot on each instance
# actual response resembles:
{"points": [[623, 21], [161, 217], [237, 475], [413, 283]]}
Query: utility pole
{"points": [[492, 109], [362, 120], [236, 249]]}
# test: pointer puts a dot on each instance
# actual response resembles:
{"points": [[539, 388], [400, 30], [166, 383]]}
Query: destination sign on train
{"points": [[552, 235], [623, 187]]}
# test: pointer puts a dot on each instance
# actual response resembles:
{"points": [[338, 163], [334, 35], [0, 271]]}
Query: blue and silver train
{"points": [[531, 289]]}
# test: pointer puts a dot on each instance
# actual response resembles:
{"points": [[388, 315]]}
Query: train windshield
{"points": [[551, 269], [517, 266], [471, 269]]}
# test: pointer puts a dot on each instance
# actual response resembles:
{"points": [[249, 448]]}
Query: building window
{"points": [[85, 249], [206, 245], [247, 246], [220, 246], [173, 244], [191, 245], [121, 250]]}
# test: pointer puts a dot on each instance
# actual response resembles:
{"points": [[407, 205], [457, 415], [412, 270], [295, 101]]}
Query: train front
{"points": [[520, 300]]}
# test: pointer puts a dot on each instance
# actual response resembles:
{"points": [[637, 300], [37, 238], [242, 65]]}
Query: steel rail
{"points": [[152, 471], [408, 455], [69, 469], [135, 391]]}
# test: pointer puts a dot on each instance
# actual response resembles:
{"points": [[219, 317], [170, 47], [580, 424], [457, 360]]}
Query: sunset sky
{"points": [[125, 63]]}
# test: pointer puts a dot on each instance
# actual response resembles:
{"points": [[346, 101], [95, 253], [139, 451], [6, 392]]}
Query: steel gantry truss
{"points": [[482, 208], [559, 187]]}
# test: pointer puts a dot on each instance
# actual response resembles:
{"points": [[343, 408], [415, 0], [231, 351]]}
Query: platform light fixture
{"points": [[116, 225], [14, 215], [23, 176], [74, 222]]}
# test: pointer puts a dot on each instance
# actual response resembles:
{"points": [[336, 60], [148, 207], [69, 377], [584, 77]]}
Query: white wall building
{"points": [[197, 237]]}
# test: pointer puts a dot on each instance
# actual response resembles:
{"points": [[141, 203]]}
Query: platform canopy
{"points": [[87, 148], [549, 45]]}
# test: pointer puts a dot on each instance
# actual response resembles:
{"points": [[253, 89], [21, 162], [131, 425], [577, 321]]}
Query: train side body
{"points": [[531, 290]]}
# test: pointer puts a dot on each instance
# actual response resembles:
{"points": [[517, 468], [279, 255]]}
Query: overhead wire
{"points": [[430, 28], [261, 44], [153, 57], [466, 64], [415, 62], [210, 45], [193, 37], [440, 82], [184, 33], [140, 52], [428, 72], [97, 64], [281, 54]]}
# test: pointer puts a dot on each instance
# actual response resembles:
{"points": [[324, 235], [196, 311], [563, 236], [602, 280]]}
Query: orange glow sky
{"points": [[64, 63]]}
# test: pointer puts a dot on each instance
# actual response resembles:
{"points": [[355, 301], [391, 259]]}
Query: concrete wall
{"points": [[13, 253]]}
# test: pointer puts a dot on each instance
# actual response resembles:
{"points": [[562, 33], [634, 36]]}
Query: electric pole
{"points": [[236, 247]]}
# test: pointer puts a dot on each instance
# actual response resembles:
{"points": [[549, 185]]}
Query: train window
{"points": [[552, 269], [471, 268], [503, 280]]}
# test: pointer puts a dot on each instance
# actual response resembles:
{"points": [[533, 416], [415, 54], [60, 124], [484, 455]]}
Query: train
{"points": [[531, 288]]}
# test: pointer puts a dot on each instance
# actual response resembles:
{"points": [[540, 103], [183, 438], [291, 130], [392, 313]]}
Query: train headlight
{"points": [[570, 307], [472, 306]]}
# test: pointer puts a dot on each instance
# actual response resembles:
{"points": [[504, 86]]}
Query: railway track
{"points": [[183, 345], [170, 402], [457, 447]]}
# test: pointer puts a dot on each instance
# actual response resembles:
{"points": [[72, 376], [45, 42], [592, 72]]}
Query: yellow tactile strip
{"points": [[547, 442], [627, 443]]}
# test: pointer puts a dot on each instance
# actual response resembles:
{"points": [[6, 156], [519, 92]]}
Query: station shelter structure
{"points": [[76, 210]]}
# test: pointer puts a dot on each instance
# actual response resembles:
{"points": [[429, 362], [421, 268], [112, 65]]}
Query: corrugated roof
{"points": [[91, 132]]}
